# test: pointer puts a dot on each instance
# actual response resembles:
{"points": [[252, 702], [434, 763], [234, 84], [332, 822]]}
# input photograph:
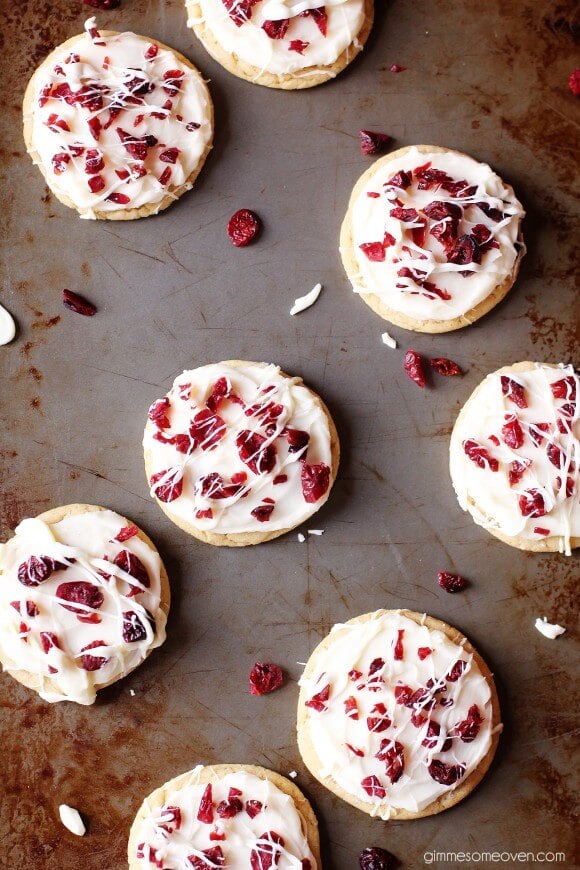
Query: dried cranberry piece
{"points": [[469, 728], [96, 183], [298, 45], [167, 485], [445, 774], [130, 563], [532, 504], [93, 161], [243, 227], [265, 677], [276, 29], [374, 251], [354, 750], [133, 628], [406, 215], [444, 366], [446, 234], [517, 470], [170, 155], [37, 569], [93, 663], [173, 80], [459, 189], [403, 694], [255, 453], [436, 291], [451, 582], [239, 11], [59, 162], [320, 18], [31, 608], [351, 708], [393, 754], [375, 858], [253, 808], [318, 701], [212, 486], [55, 123], [372, 786], [431, 739], [535, 430], [119, 198], [215, 858], [398, 651], [512, 432], [414, 365], [207, 429], [263, 512], [464, 251], [158, 413], [565, 388], [48, 641], [152, 51], [483, 238], [397, 68], [229, 808], [315, 481], [456, 671], [514, 391], [267, 852], [429, 177], [480, 455], [373, 143], [77, 303], [80, 592], [380, 721], [423, 652], [401, 179], [205, 811], [220, 391]]}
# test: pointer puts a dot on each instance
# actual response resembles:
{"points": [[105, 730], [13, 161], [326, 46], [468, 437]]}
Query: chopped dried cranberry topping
{"points": [[243, 227], [555, 455], [451, 582], [170, 155], [431, 739], [354, 750], [318, 701], [565, 388], [215, 858], [80, 592], [320, 18], [152, 51], [119, 198], [401, 179], [535, 430], [263, 512], [469, 728], [379, 720], [167, 485], [512, 432], [59, 162], [373, 143], [351, 708], [276, 29], [315, 481], [540, 530], [173, 81], [374, 251], [280, 478], [165, 176], [229, 808], [456, 671], [254, 452], [213, 486], [133, 628], [205, 811], [406, 215], [403, 694], [93, 663], [220, 391], [464, 251], [133, 566], [158, 413], [480, 455], [429, 178], [374, 858], [514, 391], [439, 210], [393, 754], [207, 429], [267, 852], [265, 677], [445, 774], [298, 45], [532, 504], [78, 304], [37, 569], [48, 641], [96, 183], [239, 11], [397, 68], [414, 365], [444, 366], [398, 651], [372, 786], [253, 808], [574, 82], [423, 652]]}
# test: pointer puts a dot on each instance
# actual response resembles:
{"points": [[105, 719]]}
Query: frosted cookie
{"points": [[398, 714], [118, 124], [431, 239], [515, 454], [226, 815], [286, 44], [238, 452], [84, 599]]}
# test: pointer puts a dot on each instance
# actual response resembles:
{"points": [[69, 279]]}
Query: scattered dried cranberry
{"points": [[406, 215], [469, 728], [243, 227], [517, 470], [37, 569], [532, 504], [205, 811], [48, 640], [320, 18], [514, 391], [80, 592], [373, 143], [375, 858], [373, 251], [444, 366], [373, 787], [253, 808], [423, 652], [298, 45], [401, 179], [512, 432], [574, 82], [315, 481], [398, 651], [230, 808], [133, 628], [414, 365], [393, 754], [397, 68], [276, 29], [215, 858], [78, 304], [126, 533], [379, 720], [93, 663], [318, 701], [451, 582], [445, 774], [480, 455], [265, 677], [133, 566], [565, 388], [267, 852], [171, 486], [456, 671]]}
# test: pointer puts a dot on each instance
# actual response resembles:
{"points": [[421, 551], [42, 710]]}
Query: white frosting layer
{"points": [[427, 258], [251, 43], [173, 844], [487, 494], [253, 387], [85, 544], [116, 73], [356, 646]]}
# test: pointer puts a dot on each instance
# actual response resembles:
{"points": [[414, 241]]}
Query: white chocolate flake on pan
{"points": [[304, 302], [548, 629]]}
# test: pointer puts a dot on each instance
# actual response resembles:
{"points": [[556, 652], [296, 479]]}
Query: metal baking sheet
{"points": [[489, 79]]}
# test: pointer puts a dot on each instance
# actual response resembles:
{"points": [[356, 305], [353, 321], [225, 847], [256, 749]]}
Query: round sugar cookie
{"points": [[288, 44], [120, 125], [398, 714], [238, 452], [515, 455], [84, 599], [230, 815], [431, 239]]}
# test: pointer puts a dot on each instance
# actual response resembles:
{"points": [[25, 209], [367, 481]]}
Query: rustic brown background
{"points": [[487, 78]]}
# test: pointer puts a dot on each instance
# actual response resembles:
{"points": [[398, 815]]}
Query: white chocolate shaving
{"points": [[304, 302], [7, 326], [293, 774], [389, 340], [71, 819], [548, 629], [315, 531], [301, 537]]}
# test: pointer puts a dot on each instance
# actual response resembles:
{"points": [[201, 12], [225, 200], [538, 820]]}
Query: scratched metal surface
{"points": [[489, 79]]}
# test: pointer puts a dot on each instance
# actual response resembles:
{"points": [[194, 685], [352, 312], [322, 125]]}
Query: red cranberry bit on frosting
{"points": [[48, 641], [126, 533], [514, 391], [133, 628], [276, 29], [373, 143], [423, 652], [298, 45], [135, 567], [374, 251], [243, 227], [119, 198], [393, 754], [78, 304], [207, 429], [445, 774], [239, 11], [171, 819], [170, 155], [158, 413], [444, 366], [93, 663], [80, 592], [532, 504], [375, 858], [456, 671], [480, 455], [205, 811], [254, 808], [265, 677], [414, 365], [253, 450], [167, 485], [229, 808], [215, 858], [372, 786], [351, 708], [565, 388], [469, 728], [318, 701], [267, 852], [37, 569], [512, 432], [451, 582], [173, 80], [398, 651], [379, 720], [315, 481]]}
